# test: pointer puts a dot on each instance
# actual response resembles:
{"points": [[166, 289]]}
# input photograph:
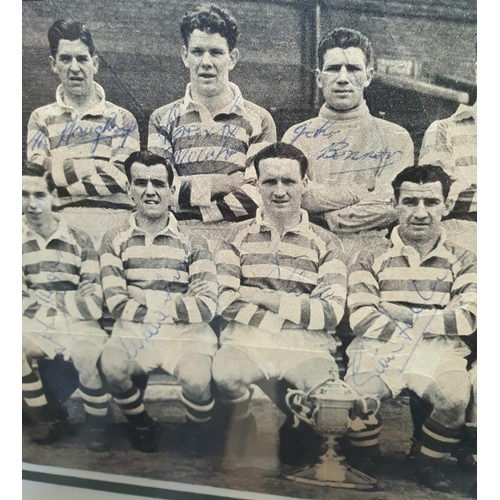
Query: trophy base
{"points": [[335, 475]]}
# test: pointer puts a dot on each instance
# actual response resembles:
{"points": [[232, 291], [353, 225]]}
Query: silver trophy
{"points": [[327, 408]]}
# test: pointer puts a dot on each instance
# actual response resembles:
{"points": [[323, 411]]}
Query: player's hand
{"points": [[397, 312], [323, 291], [85, 288], [137, 294], [196, 287]]}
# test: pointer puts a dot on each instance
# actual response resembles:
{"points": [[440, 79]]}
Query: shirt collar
{"points": [[465, 112], [97, 110], [234, 107], [330, 114], [407, 250], [301, 228], [172, 226], [61, 233]]}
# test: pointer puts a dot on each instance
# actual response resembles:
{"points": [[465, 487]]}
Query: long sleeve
{"points": [[315, 312], [376, 209], [363, 300], [37, 147], [231, 306], [71, 302]]}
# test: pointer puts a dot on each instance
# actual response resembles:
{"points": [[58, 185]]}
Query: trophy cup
{"points": [[327, 408]]}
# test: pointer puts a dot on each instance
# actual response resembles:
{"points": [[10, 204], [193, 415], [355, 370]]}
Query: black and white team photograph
{"points": [[249, 238]]}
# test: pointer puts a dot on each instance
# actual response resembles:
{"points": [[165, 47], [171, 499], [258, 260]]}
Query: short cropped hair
{"points": [[282, 150], [423, 174], [67, 29], [344, 38], [210, 18], [148, 159], [31, 169]]}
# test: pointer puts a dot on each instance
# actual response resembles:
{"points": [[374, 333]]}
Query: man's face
{"points": [[149, 189], [420, 209], [281, 187], [75, 67], [344, 77], [209, 61], [37, 201]]}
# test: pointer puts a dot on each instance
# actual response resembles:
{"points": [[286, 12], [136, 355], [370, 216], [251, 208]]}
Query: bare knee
{"points": [[85, 356], [311, 373], [116, 368], [195, 375]]}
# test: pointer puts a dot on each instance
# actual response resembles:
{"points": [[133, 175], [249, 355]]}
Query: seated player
{"points": [[282, 288], [410, 301], [161, 287], [62, 301]]}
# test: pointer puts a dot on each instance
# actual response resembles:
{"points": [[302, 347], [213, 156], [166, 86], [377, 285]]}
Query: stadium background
{"points": [[425, 51]]}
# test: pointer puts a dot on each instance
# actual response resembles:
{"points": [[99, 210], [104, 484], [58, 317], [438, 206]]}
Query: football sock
{"points": [[198, 412], [34, 396], [437, 441], [240, 407], [95, 403], [131, 404], [366, 441]]}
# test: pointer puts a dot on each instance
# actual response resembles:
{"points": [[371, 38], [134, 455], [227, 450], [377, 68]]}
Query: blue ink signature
{"points": [[94, 135]]}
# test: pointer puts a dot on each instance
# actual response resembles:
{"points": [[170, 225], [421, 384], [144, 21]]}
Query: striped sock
{"points": [[131, 404], [34, 396], [436, 442], [366, 441], [240, 407], [198, 412], [95, 403]]}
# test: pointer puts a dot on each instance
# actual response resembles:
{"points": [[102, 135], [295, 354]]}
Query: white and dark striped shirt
{"points": [[293, 265], [200, 145], [452, 143], [84, 152], [396, 273], [162, 266], [57, 266]]}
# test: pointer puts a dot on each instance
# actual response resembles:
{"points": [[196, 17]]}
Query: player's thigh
{"points": [[311, 373], [233, 367]]}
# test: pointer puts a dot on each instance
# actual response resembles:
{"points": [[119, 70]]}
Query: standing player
{"points": [[410, 301], [82, 139], [160, 285], [282, 288], [212, 132], [62, 301], [352, 155]]}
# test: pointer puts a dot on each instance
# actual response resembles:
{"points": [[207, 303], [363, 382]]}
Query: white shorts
{"points": [[401, 365], [276, 353], [59, 334], [162, 347], [94, 221]]}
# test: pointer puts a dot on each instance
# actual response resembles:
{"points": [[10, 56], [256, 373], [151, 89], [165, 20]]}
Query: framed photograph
{"points": [[230, 268]]}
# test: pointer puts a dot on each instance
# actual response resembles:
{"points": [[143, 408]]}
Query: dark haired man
{"points": [[62, 303], [160, 285], [82, 139], [410, 301], [211, 132], [352, 155], [282, 291]]}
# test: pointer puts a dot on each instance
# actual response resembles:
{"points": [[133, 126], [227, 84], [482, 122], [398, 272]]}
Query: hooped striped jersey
{"points": [[201, 145], [84, 152], [54, 268], [161, 269], [440, 290], [293, 265]]}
